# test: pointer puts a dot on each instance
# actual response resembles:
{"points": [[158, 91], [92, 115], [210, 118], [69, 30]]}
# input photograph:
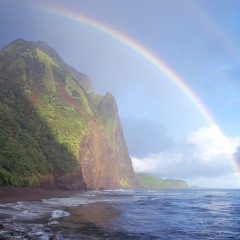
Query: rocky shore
{"points": [[18, 194], [83, 220], [8, 233]]}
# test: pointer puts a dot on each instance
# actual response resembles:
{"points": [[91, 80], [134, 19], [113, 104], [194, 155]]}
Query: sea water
{"points": [[127, 214]]}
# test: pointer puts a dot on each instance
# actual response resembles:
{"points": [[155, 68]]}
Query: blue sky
{"points": [[199, 40]]}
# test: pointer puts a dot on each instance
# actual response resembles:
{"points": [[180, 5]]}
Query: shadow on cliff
{"points": [[30, 155]]}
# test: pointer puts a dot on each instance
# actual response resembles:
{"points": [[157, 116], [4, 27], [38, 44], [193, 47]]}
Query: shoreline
{"points": [[18, 194]]}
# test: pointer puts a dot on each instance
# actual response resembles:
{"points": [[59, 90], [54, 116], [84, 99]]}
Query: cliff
{"points": [[54, 131]]}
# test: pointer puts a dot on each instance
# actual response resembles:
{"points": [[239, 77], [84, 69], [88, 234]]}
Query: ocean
{"points": [[126, 214]]}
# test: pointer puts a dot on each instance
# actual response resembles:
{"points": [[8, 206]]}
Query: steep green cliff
{"points": [[150, 182], [54, 131]]}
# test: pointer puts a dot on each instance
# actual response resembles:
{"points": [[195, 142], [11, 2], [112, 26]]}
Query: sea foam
{"points": [[59, 213]]}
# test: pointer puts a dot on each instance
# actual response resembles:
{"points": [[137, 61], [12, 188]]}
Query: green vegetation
{"points": [[67, 124], [40, 130], [53, 128], [76, 92], [28, 150], [43, 57], [150, 182], [107, 109], [124, 183]]}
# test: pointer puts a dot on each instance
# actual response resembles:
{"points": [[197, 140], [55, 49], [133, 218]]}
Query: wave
{"points": [[58, 213], [68, 202]]}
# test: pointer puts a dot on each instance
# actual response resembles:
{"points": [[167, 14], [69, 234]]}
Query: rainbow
{"points": [[204, 19], [197, 12], [147, 54], [136, 47]]}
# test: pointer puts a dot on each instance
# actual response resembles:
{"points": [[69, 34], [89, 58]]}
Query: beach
{"points": [[120, 214], [16, 194]]}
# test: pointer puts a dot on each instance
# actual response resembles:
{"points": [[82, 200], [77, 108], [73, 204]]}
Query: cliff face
{"points": [[54, 131], [110, 163]]}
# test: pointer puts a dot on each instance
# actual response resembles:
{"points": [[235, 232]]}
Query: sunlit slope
{"points": [[150, 182], [53, 131]]}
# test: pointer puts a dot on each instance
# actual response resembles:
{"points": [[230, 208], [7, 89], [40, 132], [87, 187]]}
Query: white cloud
{"points": [[210, 142], [205, 153]]}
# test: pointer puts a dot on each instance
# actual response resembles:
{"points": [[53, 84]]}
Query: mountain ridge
{"points": [[55, 131]]}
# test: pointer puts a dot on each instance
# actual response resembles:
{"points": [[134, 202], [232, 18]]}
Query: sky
{"points": [[180, 118]]}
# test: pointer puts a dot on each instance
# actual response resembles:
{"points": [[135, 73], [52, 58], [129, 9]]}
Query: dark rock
{"points": [[53, 237]]}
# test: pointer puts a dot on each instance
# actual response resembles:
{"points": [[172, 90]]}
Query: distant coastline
{"points": [[148, 181]]}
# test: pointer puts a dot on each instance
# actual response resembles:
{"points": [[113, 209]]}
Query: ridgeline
{"points": [[151, 182]]}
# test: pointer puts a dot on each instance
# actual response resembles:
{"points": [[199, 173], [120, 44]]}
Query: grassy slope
{"points": [[38, 135], [151, 182]]}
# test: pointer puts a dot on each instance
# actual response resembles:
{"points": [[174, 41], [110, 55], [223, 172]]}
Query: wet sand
{"points": [[10, 195], [86, 221], [98, 213]]}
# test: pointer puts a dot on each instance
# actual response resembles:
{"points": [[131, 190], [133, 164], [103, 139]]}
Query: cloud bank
{"points": [[205, 153], [144, 136]]}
